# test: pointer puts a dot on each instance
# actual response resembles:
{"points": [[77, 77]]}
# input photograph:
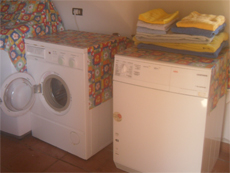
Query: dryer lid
{"points": [[17, 94]]}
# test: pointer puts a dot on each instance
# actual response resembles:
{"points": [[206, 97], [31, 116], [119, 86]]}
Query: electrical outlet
{"points": [[77, 11]]}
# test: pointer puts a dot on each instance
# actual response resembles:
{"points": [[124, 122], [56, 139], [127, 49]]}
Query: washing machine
{"points": [[60, 114], [164, 117], [15, 117]]}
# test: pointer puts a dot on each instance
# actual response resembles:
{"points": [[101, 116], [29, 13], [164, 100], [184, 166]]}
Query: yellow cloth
{"points": [[201, 21], [157, 16], [210, 47]]}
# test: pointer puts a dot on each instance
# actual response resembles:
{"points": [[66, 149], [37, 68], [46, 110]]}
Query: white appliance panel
{"points": [[71, 120], [64, 137], [191, 81], [166, 129], [226, 131], [80, 131], [162, 119]]}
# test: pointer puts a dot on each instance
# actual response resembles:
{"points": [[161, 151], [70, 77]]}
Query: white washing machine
{"points": [[15, 118], [162, 117], [60, 114]]}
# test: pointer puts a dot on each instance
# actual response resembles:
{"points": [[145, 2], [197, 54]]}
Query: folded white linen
{"points": [[171, 37]]}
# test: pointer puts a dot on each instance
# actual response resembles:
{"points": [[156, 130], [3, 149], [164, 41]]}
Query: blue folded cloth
{"points": [[202, 54], [197, 31]]}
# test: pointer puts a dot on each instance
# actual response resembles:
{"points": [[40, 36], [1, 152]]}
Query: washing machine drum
{"points": [[17, 94], [56, 95]]}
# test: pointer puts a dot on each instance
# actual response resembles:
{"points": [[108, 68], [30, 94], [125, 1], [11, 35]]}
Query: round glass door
{"points": [[17, 94], [56, 93]]}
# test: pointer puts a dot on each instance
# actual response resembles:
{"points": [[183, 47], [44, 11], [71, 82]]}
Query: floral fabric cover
{"points": [[100, 69], [23, 19], [101, 49], [220, 79]]}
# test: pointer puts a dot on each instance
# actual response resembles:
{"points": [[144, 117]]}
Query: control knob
{"points": [[61, 60], [72, 62]]}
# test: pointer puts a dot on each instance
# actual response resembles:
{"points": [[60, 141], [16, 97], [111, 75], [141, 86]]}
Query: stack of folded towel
{"points": [[154, 23], [196, 34]]}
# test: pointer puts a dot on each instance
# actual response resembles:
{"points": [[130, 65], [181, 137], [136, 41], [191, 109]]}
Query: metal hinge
{"points": [[38, 88]]}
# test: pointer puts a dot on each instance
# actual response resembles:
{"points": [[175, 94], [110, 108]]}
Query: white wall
{"points": [[110, 16]]}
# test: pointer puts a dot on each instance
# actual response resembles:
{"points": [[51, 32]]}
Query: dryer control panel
{"points": [[178, 79]]}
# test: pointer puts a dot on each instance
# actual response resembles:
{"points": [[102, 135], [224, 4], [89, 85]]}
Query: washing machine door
{"points": [[17, 94], [55, 96]]}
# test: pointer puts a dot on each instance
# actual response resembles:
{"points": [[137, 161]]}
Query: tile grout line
{"points": [[57, 159], [74, 165], [50, 166], [223, 160]]}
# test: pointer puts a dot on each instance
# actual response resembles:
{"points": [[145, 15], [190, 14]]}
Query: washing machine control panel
{"points": [[55, 56], [64, 58], [39, 52]]}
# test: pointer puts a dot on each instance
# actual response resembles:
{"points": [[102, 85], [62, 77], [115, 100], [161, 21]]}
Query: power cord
{"points": [[76, 21]]}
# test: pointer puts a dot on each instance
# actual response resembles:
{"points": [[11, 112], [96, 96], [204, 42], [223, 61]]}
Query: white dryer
{"points": [[60, 115], [226, 131], [163, 121], [16, 97]]}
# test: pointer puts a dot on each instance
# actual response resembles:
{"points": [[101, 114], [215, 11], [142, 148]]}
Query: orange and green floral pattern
{"points": [[22, 19], [220, 66]]}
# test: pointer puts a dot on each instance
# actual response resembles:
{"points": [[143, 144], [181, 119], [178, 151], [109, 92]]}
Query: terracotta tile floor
{"points": [[32, 155]]}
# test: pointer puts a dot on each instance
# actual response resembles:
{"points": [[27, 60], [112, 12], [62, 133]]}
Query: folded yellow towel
{"points": [[157, 16], [201, 21], [210, 47]]}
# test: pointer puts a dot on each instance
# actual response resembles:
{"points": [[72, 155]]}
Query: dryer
{"points": [[226, 132], [168, 111]]}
